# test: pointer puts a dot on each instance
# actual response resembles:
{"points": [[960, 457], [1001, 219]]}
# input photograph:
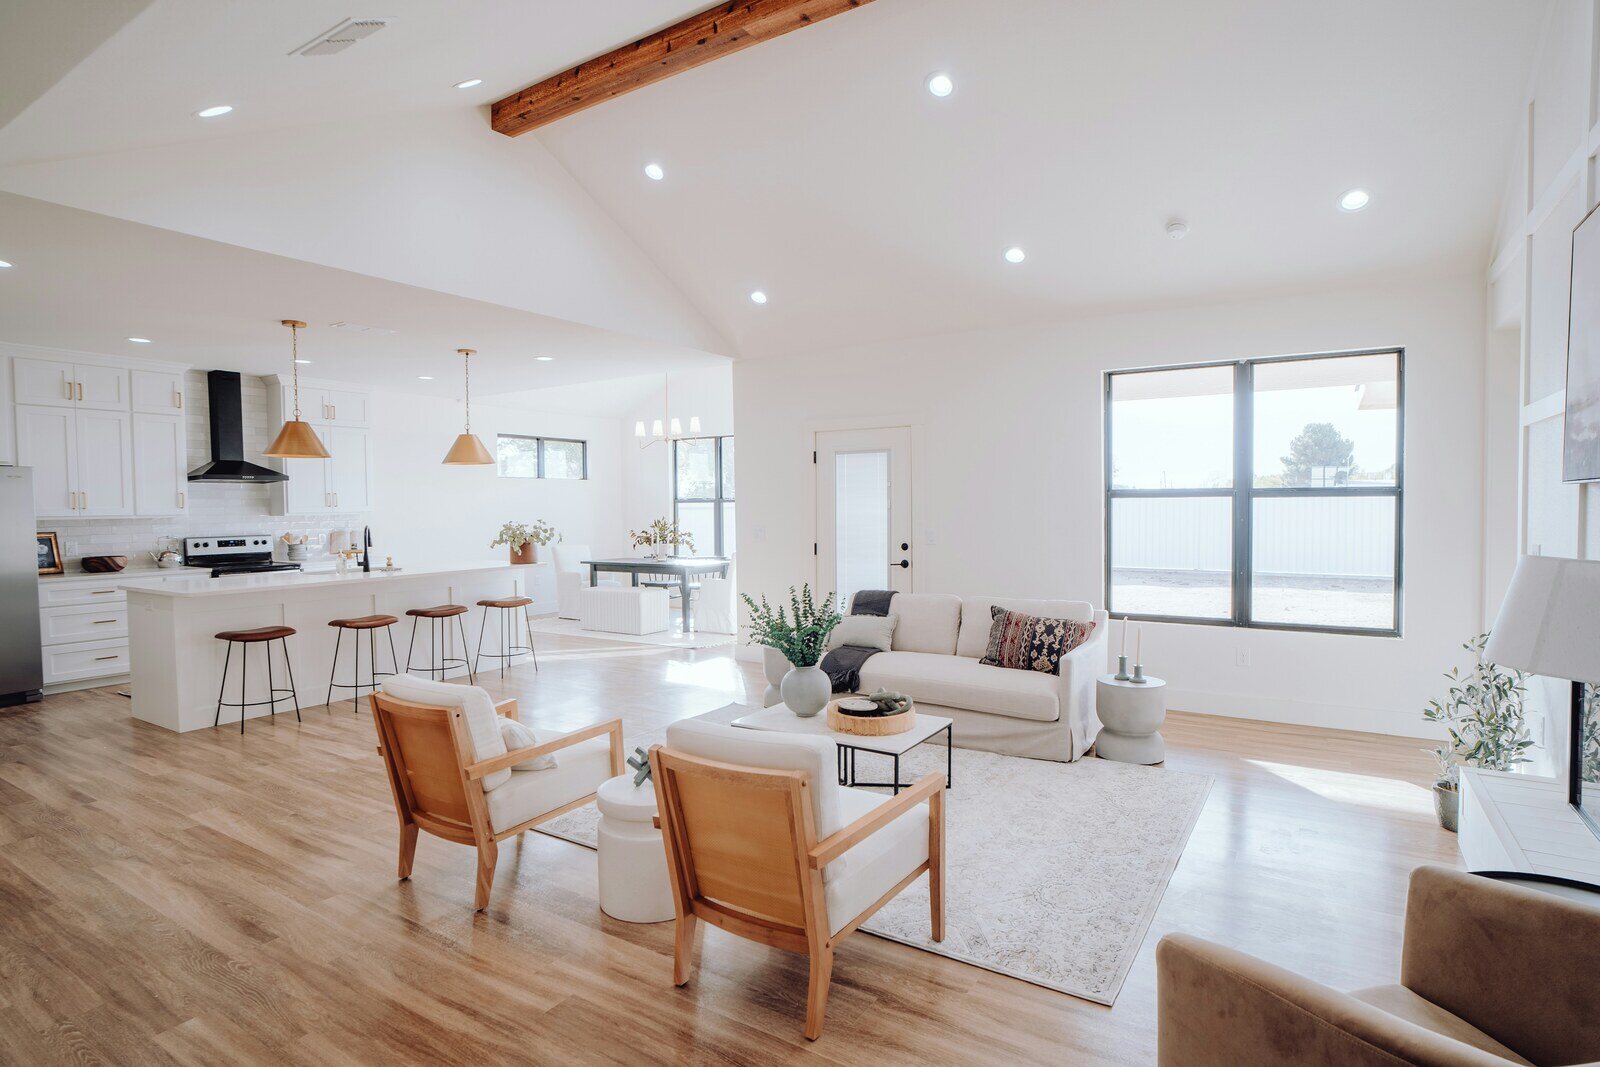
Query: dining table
{"points": [[680, 569]]}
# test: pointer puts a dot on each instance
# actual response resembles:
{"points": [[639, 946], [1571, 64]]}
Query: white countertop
{"points": [[199, 585]]}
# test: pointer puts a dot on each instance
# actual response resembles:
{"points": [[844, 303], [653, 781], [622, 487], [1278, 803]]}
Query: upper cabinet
{"points": [[157, 392], [340, 417], [55, 383]]}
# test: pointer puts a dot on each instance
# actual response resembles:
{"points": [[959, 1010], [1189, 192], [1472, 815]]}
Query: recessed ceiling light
{"points": [[940, 84], [654, 172], [758, 297], [1015, 255], [302, 361], [469, 83], [1177, 229], [4, 265], [140, 340], [214, 112], [424, 377], [544, 359], [1354, 200]]}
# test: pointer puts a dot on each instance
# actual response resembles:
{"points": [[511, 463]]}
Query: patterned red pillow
{"points": [[1029, 643]]}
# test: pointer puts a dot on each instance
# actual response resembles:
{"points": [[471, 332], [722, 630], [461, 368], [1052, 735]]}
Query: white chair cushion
{"points": [[771, 751], [959, 682], [483, 726], [878, 863], [516, 735], [581, 770], [570, 557], [929, 622], [976, 617], [864, 631]]}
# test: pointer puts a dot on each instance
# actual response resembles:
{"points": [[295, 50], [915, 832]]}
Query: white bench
{"points": [[622, 610]]}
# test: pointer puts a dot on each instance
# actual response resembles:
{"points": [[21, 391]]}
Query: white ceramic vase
{"points": [[806, 690], [774, 665]]}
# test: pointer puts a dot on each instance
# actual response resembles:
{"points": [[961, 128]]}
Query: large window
{"points": [[702, 492], [1263, 492], [541, 457]]}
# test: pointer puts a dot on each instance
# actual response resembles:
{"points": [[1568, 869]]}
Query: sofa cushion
{"points": [[929, 622], [483, 722], [581, 770], [1022, 642], [878, 863], [864, 631], [1402, 1003], [976, 617], [958, 682]]}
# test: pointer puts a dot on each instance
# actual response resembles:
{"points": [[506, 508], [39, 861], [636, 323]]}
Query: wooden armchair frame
{"points": [[437, 790], [747, 860]]}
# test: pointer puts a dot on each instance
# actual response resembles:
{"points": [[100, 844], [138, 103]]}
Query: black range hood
{"points": [[227, 436]]}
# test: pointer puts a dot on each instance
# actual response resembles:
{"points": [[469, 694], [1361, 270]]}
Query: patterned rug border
{"points": [[1147, 917]]}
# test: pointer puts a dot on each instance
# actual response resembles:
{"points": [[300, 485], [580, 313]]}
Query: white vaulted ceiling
{"points": [[815, 167]]}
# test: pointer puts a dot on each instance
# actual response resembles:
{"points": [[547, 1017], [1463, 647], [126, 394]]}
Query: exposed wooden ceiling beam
{"points": [[721, 31]]}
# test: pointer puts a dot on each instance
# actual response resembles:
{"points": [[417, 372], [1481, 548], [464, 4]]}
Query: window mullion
{"points": [[1243, 479]]}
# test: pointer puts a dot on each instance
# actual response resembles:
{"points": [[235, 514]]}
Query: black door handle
{"points": [[905, 563], [905, 546]]}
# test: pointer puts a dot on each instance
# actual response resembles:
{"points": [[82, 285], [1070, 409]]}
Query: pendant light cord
{"points": [[466, 366], [294, 350]]}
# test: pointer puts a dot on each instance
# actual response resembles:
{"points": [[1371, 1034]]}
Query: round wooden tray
{"points": [[870, 725]]}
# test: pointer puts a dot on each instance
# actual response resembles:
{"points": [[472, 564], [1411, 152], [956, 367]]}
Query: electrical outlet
{"points": [[1241, 657]]}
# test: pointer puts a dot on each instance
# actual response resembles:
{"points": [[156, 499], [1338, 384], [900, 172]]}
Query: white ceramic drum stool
{"points": [[633, 862], [1131, 715]]}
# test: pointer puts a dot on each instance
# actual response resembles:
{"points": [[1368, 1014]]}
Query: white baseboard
{"points": [[1394, 723]]}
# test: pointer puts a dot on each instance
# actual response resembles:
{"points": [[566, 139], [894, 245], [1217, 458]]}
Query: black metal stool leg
{"points": [[435, 636], [412, 645], [462, 626], [483, 625], [505, 644], [355, 690], [333, 671], [531, 650], [244, 675], [372, 667], [272, 693], [284, 641], [394, 661], [226, 659]]}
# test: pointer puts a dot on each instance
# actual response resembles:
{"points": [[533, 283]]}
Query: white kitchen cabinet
{"points": [[57, 383], [306, 491], [47, 441], [105, 462], [156, 392], [78, 662], [349, 471], [160, 464], [342, 483], [345, 408]]}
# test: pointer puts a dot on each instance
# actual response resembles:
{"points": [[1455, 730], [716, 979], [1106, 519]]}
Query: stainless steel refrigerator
{"points": [[21, 666]]}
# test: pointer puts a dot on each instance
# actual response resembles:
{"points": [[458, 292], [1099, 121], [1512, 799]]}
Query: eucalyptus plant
{"points": [[800, 631], [517, 534], [661, 533], [1483, 716]]}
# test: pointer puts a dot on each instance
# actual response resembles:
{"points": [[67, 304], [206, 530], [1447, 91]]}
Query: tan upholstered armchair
{"points": [[1490, 974]]}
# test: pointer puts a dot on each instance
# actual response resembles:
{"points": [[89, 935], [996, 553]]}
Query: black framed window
{"points": [[519, 456], [1263, 492], [702, 492]]}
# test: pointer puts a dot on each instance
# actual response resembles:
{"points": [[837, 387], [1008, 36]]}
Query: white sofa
{"points": [[938, 643]]}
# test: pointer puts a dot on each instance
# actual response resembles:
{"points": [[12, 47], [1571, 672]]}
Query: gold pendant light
{"points": [[297, 440], [468, 450]]}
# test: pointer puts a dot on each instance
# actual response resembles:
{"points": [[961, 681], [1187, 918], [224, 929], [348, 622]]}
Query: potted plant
{"points": [[1484, 718], [659, 535], [799, 634], [522, 538]]}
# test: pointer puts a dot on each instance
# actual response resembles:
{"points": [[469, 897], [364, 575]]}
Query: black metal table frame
{"points": [[847, 762]]}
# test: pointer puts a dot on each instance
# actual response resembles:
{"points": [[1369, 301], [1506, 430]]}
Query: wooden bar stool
{"points": [[372, 624], [507, 650], [263, 635], [437, 617]]}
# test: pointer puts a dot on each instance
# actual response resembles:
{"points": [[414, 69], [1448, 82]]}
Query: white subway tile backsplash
{"points": [[214, 507]]}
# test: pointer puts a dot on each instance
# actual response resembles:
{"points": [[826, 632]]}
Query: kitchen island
{"points": [[176, 662]]}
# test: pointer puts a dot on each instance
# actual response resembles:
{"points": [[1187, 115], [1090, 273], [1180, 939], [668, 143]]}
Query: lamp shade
{"points": [[468, 450], [1549, 623], [297, 440]]}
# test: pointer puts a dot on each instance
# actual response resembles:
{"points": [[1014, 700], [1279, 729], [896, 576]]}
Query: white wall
{"points": [[1551, 186], [1008, 483]]}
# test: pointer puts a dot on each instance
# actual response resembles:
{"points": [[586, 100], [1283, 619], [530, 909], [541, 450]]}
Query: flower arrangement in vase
{"points": [[800, 634], [522, 537], [660, 535]]}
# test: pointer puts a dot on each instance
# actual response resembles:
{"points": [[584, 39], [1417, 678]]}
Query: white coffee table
{"points": [[779, 719], [633, 862]]}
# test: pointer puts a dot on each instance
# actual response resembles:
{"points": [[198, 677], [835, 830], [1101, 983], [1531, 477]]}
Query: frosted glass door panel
{"points": [[861, 521]]}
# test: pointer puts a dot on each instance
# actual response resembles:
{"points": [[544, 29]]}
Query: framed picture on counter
{"points": [[49, 554]]}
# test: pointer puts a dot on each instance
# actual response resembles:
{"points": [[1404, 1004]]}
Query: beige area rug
{"points": [[1055, 871], [671, 638]]}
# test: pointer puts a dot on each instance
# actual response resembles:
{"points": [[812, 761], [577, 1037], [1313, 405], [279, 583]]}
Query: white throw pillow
{"points": [[518, 736], [864, 631]]}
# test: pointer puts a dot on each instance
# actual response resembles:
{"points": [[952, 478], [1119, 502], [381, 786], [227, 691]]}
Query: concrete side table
{"points": [[1130, 720], [633, 862]]}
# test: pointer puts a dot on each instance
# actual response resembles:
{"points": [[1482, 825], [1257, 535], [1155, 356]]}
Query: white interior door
{"points": [[864, 510]]}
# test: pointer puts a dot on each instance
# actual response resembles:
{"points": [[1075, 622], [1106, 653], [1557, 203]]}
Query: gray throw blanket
{"points": [[843, 664]]}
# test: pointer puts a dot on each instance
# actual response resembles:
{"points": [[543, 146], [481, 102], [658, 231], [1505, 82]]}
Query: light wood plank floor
{"points": [[211, 898]]}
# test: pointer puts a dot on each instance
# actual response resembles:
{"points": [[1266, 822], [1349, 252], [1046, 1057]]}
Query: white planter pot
{"points": [[806, 690], [774, 665]]}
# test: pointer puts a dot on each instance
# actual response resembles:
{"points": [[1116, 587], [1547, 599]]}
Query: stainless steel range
{"points": [[247, 554]]}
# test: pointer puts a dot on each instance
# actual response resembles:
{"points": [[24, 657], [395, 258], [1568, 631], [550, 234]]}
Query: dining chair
{"points": [[763, 842], [571, 577], [452, 775]]}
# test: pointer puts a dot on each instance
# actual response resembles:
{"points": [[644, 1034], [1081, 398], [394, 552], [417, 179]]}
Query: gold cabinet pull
{"points": [[101, 592], [80, 390], [99, 658], [180, 399], [103, 622]]}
